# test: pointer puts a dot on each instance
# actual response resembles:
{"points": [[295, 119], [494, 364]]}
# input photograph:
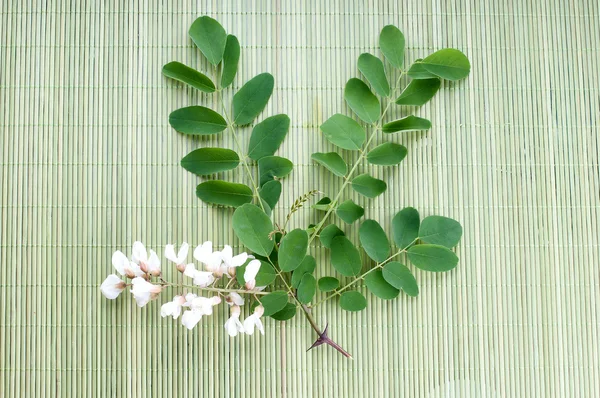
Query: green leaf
{"points": [[306, 289], [224, 193], [287, 313], [362, 101], [353, 301], [307, 266], [332, 161], [345, 258], [344, 132], [267, 136], [197, 120], [274, 302], [405, 227], [292, 249], [205, 161], [409, 123], [368, 186], [266, 274], [387, 154], [231, 57], [252, 226], [178, 71], [372, 68], [324, 204], [374, 240], [391, 42], [377, 284], [440, 230], [270, 193], [349, 211], [432, 258], [273, 166], [399, 276], [418, 71], [328, 233], [328, 283], [449, 64], [252, 98], [419, 92], [210, 37]]}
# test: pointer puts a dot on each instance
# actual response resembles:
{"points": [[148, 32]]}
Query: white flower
{"points": [[149, 264], [254, 320], [124, 266], [234, 299], [250, 274], [179, 258], [201, 278], [230, 262], [233, 324], [112, 286], [172, 308], [189, 319], [211, 260], [144, 291], [199, 306]]}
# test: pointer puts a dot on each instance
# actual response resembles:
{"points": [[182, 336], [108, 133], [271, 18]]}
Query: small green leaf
{"points": [[270, 193], [224, 193], [449, 64], [252, 98], [210, 37], [344, 132], [432, 258], [274, 302], [328, 283], [418, 71], [372, 68], [266, 274], [368, 186], [273, 166], [178, 71], [267, 136], [287, 313], [345, 258], [206, 161], [409, 123], [231, 57], [391, 42], [379, 286], [307, 266], [439, 230], [399, 276], [306, 289], [374, 240], [332, 161], [387, 154], [324, 204], [349, 211], [292, 249], [252, 226], [197, 120], [328, 233], [419, 92], [353, 301], [362, 101], [405, 227]]}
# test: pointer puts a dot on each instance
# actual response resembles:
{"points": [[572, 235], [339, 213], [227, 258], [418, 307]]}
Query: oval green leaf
{"points": [[210, 37], [287, 313], [267, 136], [274, 302], [332, 162], [266, 274], [344, 132], [419, 92], [418, 71], [377, 285], [328, 283], [183, 73], [449, 64], [323, 204], [387, 154], [349, 211], [405, 227], [362, 101], [409, 123], [368, 186], [252, 98], [391, 42], [353, 301], [292, 249], [372, 68], [252, 226], [433, 258], [345, 258], [307, 266], [306, 289], [224, 193], [205, 161], [374, 240], [399, 276], [328, 233], [439, 230], [270, 193], [197, 120], [231, 58], [270, 167]]}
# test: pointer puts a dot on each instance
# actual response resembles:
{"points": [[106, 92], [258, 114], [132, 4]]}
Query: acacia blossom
{"points": [[179, 258], [173, 308], [144, 291], [233, 326], [148, 264], [250, 274], [254, 320], [112, 286]]}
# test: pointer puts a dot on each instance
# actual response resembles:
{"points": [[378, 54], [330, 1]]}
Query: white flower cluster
{"points": [[143, 267]]}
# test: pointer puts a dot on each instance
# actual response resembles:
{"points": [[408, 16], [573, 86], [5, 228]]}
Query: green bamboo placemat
{"points": [[89, 164]]}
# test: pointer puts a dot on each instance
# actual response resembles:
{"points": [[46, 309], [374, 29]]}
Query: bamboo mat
{"points": [[89, 164]]}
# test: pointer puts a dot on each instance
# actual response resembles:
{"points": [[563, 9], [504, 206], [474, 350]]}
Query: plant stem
{"points": [[215, 289]]}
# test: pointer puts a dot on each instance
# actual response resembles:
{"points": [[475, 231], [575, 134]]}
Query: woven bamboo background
{"points": [[89, 164]]}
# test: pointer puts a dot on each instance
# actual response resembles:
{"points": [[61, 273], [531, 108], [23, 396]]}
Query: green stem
{"points": [[215, 289]]}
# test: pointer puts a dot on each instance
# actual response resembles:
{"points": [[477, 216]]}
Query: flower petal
{"points": [[120, 261], [139, 252], [170, 253], [112, 287], [251, 270]]}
